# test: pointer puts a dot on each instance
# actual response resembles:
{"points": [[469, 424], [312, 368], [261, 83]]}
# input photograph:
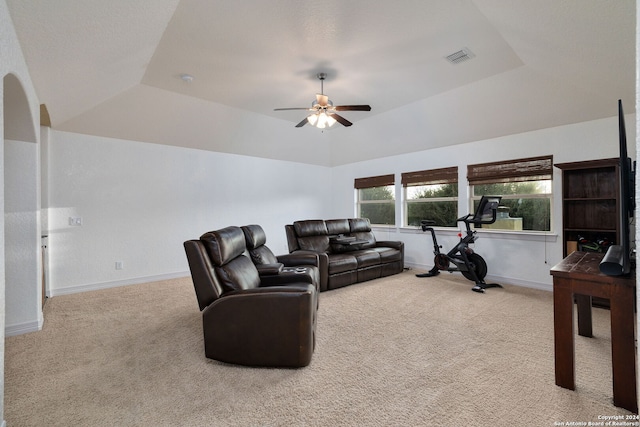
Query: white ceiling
{"points": [[112, 68]]}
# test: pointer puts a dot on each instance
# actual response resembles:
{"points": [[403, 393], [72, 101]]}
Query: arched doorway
{"points": [[22, 263]]}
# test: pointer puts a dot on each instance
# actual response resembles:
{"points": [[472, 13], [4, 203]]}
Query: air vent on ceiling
{"points": [[460, 56]]}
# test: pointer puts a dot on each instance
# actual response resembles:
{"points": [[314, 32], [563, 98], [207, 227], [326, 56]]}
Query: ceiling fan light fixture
{"points": [[330, 120], [321, 120], [325, 114]]}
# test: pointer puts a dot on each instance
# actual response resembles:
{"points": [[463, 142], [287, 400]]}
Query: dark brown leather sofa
{"points": [[347, 249], [245, 320]]}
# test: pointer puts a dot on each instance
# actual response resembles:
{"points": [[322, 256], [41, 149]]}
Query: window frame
{"points": [[448, 175], [375, 182], [510, 171]]}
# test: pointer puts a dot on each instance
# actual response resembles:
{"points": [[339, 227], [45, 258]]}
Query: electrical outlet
{"points": [[75, 221], [119, 265]]}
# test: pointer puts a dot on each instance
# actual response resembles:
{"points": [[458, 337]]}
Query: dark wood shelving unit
{"points": [[590, 204], [590, 201]]}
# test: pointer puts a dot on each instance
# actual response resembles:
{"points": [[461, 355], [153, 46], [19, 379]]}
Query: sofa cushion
{"points": [[389, 268], [319, 244], [262, 255], [359, 224], [361, 230], [342, 279], [224, 245], [369, 273], [254, 236], [310, 227], [339, 263], [225, 248], [312, 235], [366, 258], [388, 254], [238, 274], [337, 226]]}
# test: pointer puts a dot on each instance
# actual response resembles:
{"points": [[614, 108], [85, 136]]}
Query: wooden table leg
{"points": [[623, 349], [563, 333], [585, 328]]}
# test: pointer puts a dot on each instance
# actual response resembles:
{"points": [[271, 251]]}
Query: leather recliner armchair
{"points": [[302, 264], [245, 322]]}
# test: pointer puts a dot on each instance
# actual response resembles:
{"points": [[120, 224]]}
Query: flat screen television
{"points": [[617, 261]]}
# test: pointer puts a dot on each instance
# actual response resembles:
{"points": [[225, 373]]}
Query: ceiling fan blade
{"points": [[341, 120], [302, 123], [322, 99], [293, 108], [352, 108]]}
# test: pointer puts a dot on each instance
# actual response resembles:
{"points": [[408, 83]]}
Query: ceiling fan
{"points": [[323, 111]]}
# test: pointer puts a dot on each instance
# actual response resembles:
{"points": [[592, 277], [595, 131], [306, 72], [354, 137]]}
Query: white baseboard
{"points": [[498, 279], [23, 328], [115, 284], [36, 325], [520, 282]]}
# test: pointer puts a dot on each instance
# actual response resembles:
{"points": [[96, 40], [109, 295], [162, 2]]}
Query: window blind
{"points": [[529, 169], [374, 181], [431, 176]]}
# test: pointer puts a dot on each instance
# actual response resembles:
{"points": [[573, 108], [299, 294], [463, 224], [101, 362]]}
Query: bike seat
{"points": [[427, 222]]}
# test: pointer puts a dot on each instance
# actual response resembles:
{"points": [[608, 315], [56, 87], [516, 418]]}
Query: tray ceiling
{"points": [[113, 69]]}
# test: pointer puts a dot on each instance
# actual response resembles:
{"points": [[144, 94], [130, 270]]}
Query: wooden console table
{"points": [[578, 275]]}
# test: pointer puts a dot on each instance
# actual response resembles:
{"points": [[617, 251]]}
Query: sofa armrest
{"points": [[299, 258], [269, 269], [399, 245], [323, 266], [323, 270], [272, 326], [291, 287], [282, 280]]}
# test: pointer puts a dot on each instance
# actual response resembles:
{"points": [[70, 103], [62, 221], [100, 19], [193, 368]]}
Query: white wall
{"points": [[139, 202], [512, 258], [12, 63], [22, 237]]}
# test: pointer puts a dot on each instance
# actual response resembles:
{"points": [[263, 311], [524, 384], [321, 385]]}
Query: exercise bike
{"points": [[464, 259]]}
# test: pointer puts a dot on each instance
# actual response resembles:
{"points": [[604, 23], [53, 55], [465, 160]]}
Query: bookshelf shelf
{"points": [[590, 204]]}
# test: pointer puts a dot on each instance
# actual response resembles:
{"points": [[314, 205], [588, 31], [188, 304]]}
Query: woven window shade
{"points": [[432, 176], [374, 181], [531, 169]]}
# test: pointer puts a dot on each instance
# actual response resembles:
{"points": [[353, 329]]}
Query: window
{"points": [[525, 187], [376, 199], [431, 194]]}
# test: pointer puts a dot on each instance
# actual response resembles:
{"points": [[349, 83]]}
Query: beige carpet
{"points": [[399, 351]]}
